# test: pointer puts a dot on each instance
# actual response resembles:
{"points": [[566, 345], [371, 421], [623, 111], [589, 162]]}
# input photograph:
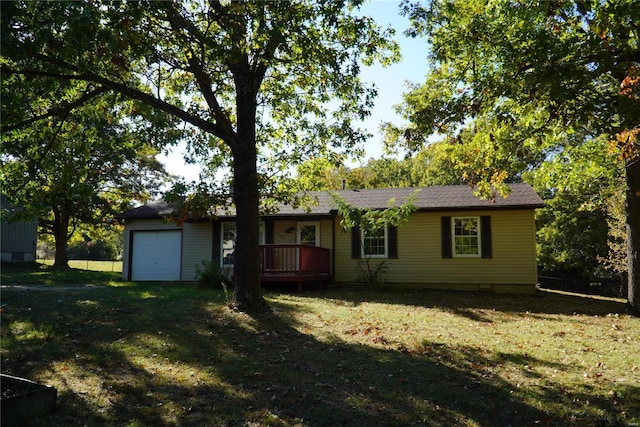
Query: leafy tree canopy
{"points": [[576, 60], [575, 228], [542, 74], [255, 82], [80, 167]]}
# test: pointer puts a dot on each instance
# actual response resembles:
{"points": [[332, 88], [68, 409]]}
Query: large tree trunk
{"points": [[633, 232], [61, 237], [247, 295]]}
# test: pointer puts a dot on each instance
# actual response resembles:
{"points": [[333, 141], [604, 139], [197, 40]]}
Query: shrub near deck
{"points": [[159, 354]]}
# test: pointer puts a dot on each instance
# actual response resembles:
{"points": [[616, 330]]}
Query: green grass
{"points": [[173, 354], [114, 266], [30, 274]]}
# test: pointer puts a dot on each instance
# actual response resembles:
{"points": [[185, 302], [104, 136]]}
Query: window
{"points": [[309, 233], [228, 242], [466, 236], [382, 244], [374, 243]]}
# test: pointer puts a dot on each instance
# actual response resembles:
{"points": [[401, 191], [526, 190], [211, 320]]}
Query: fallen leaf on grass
{"points": [[380, 340]]}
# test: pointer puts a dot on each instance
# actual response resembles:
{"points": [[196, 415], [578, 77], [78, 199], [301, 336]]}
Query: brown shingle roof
{"points": [[450, 197], [154, 209]]}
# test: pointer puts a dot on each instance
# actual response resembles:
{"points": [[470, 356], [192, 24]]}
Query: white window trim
{"points": [[221, 243], [453, 237], [301, 224], [386, 245]]}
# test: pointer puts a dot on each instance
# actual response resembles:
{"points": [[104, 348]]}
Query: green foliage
{"points": [[209, 275], [517, 81], [372, 272], [94, 250], [576, 230], [318, 173], [96, 242], [497, 57], [300, 56], [434, 165], [615, 260], [524, 81], [259, 85], [571, 236], [78, 167]]}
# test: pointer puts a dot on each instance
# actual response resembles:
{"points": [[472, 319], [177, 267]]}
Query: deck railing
{"points": [[294, 260]]}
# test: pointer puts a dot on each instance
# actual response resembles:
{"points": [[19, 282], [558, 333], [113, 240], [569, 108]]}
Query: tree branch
{"points": [[268, 55], [178, 22], [207, 126], [63, 109]]}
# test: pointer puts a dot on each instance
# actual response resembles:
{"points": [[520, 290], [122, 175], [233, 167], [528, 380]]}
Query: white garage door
{"points": [[156, 255]]}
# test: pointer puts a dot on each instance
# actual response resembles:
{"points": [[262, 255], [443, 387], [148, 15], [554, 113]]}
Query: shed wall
{"points": [[19, 238]]}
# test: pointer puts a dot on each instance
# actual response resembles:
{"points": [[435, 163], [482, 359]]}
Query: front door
{"points": [[309, 233]]}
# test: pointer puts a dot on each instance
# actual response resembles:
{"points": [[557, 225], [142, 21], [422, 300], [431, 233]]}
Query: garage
{"points": [[155, 255]]}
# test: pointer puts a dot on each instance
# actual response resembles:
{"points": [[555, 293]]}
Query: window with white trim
{"points": [[228, 242], [375, 243], [466, 236]]}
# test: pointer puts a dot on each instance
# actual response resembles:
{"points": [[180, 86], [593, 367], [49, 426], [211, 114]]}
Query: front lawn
{"points": [[173, 354]]}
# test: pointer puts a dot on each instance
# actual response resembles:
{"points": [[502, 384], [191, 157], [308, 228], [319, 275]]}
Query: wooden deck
{"points": [[294, 263]]}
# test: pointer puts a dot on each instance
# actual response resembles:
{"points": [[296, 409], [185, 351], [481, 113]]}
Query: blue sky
{"points": [[390, 83]]}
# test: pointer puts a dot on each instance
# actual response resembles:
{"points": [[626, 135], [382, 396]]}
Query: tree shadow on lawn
{"points": [[34, 274], [471, 304], [123, 356]]}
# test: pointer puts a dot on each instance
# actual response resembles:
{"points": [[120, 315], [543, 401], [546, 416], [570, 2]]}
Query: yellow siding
{"points": [[197, 238], [419, 254], [280, 235], [326, 234], [326, 239]]}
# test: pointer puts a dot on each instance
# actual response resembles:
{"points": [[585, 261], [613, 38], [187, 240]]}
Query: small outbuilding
{"points": [[19, 237]]}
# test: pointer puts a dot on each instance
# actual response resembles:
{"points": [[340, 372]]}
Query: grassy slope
{"points": [[113, 266], [173, 354]]}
